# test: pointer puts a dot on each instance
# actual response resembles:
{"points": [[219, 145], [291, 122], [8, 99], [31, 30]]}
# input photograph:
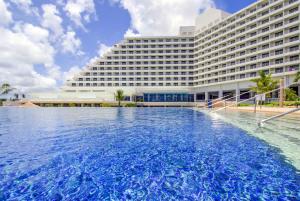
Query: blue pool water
{"points": [[135, 154]]}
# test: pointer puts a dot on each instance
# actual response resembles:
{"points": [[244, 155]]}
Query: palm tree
{"points": [[264, 83], [119, 96], [6, 88], [297, 78]]}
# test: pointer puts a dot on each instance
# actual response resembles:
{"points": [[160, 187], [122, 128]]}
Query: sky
{"points": [[45, 42]]}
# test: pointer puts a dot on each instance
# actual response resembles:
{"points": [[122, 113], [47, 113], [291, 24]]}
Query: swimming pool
{"points": [[135, 154]]}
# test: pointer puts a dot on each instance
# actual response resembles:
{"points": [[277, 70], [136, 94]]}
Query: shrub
{"points": [[72, 105], [130, 105], [109, 105]]}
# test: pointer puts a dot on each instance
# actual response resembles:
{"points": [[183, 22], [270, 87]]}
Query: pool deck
{"points": [[264, 109]]}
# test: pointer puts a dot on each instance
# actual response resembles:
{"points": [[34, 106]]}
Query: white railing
{"points": [[234, 97]]}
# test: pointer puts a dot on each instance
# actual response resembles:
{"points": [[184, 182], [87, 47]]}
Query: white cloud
{"points": [[102, 50], [5, 14], [162, 17], [79, 11], [26, 6], [71, 73], [52, 20], [131, 33], [70, 43], [22, 53]]}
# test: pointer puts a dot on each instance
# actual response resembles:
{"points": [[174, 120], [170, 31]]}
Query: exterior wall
{"points": [[263, 36], [222, 52]]}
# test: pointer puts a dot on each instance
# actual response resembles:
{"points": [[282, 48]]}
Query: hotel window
{"points": [[277, 52], [278, 16], [265, 29], [294, 58], [294, 48], [279, 61], [279, 70], [280, 42], [294, 29], [295, 38], [278, 25], [279, 34], [293, 10], [294, 19], [263, 64], [265, 46], [265, 55]]}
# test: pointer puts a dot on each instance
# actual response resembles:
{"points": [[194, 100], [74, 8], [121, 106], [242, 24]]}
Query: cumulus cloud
{"points": [[5, 14], [73, 71], [26, 6], [79, 11], [162, 17], [24, 48], [102, 50], [70, 43], [52, 20]]}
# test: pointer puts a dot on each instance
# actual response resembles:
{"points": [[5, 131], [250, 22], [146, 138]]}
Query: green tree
{"points": [[119, 95], [264, 83], [297, 78], [6, 88], [290, 95]]}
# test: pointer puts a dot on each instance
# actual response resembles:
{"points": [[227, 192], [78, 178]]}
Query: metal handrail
{"points": [[234, 104], [230, 97], [260, 123]]}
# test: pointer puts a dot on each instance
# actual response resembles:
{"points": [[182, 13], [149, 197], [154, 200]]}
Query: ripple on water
{"points": [[136, 154]]}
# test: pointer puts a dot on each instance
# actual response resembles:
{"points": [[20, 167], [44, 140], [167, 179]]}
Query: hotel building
{"points": [[216, 57]]}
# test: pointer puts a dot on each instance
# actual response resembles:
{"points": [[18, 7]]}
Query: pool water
{"points": [[136, 154]]}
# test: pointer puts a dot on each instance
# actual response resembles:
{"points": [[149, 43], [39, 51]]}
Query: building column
{"points": [[206, 96], [237, 93], [298, 90], [195, 97], [220, 94]]}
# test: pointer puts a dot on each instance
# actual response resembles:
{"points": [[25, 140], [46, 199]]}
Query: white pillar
{"points": [[298, 90], [195, 97], [206, 96], [237, 93], [220, 94]]}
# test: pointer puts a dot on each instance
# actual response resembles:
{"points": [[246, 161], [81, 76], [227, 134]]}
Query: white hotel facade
{"points": [[216, 57]]}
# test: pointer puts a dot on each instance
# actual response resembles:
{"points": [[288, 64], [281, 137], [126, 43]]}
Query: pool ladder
{"points": [[260, 123]]}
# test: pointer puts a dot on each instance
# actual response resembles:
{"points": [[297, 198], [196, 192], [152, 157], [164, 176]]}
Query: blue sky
{"points": [[50, 40]]}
